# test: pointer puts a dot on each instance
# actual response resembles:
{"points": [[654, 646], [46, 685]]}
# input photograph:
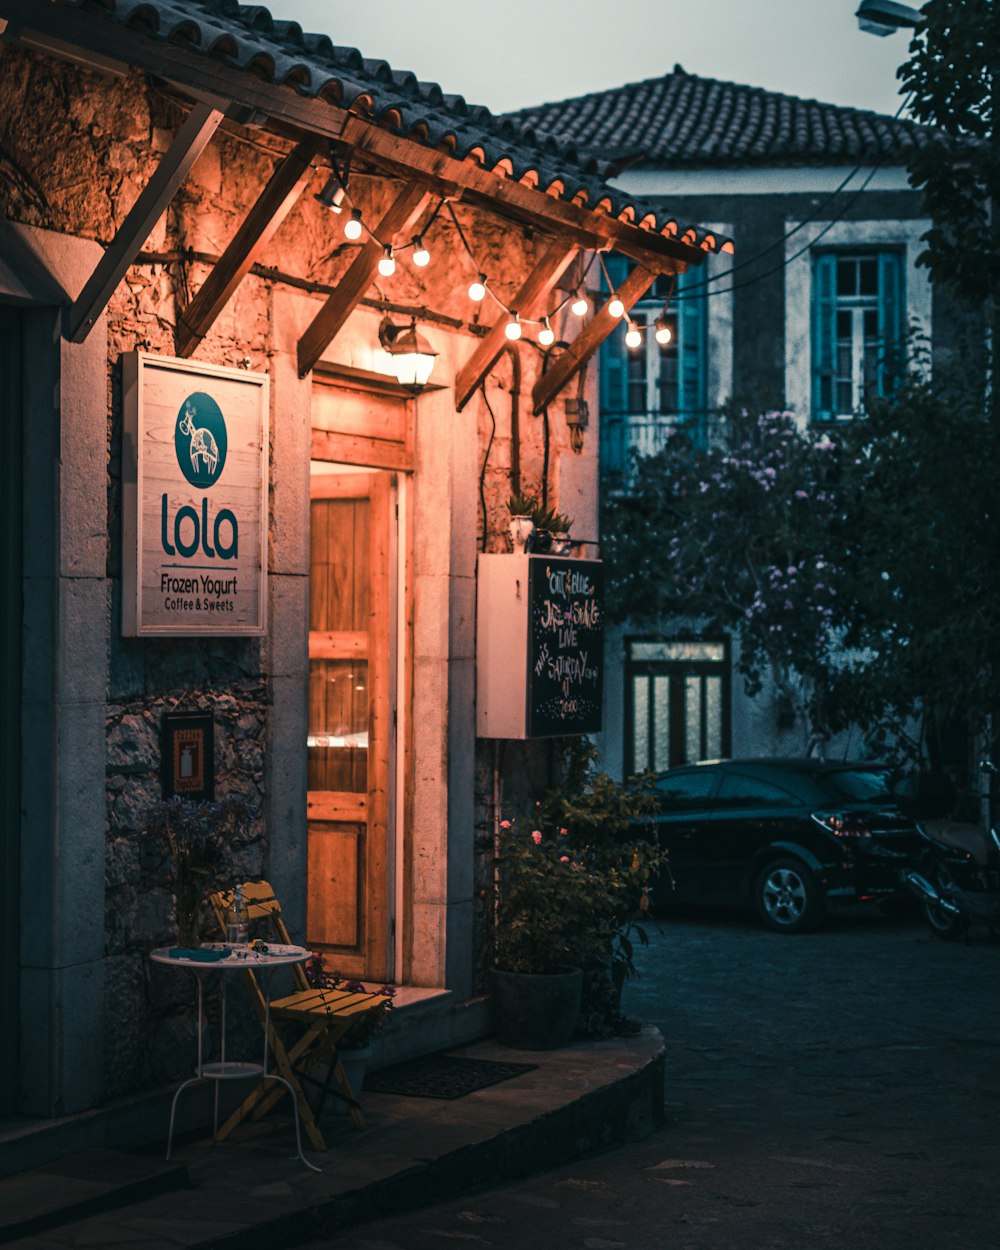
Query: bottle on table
{"points": [[237, 922]]}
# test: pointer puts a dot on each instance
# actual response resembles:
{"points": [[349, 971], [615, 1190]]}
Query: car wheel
{"points": [[788, 897], [941, 922]]}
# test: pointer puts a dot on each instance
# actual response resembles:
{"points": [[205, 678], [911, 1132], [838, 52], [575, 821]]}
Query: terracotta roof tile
{"points": [[684, 120]]}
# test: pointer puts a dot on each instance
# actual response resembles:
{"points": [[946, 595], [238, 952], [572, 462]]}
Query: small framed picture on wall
{"points": [[188, 755]]}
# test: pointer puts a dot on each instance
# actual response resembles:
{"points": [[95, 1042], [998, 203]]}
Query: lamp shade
{"points": [[406, 354]]}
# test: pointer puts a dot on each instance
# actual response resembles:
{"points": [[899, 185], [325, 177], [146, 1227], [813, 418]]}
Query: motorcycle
{"points": [[957, 875]]}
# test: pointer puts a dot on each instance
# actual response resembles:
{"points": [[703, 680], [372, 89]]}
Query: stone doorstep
{"points": [[583, 1099], [79, 1186]]}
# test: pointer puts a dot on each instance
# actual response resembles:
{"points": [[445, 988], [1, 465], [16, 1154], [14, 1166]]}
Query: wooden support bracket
{"points": [[275, 202], [589, 340], [528, 302], [398, 219], [189, 142]]}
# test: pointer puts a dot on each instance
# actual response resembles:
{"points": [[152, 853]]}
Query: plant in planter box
{"points": [[608, 825], [521, 508]]}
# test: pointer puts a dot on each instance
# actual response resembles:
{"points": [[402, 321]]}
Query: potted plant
{"points": [[521, 507], [609, 824], [560, 525], [355, 1048], [199, 835]]}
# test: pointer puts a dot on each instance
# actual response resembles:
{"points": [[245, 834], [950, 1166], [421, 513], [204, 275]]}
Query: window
{"points": [[647, 391], [738, 790], [676, 702], [686, 791], [857, 329]]}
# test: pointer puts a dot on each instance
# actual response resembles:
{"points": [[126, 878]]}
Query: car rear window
{"points": [[686, 790], [863, 785], [738, 790]]}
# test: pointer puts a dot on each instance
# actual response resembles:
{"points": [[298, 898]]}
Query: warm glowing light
{"points": [[387, 264], [546, 335], [421, 256], [513, 327], [352, 227], [663, 335], [633, 337], [616, 308], [580, 306], [477, 290]]}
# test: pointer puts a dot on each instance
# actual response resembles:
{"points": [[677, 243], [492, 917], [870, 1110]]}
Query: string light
{"points": [[580, 306], [513, 327], [633, 336], [546, 335], [353, 227], [663, 333], [421, 256], [477, 289], [616, 308], [387, 263], [332, 195]]}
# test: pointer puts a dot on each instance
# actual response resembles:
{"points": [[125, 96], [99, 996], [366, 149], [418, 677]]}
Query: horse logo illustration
{"points": [[200, 440]]}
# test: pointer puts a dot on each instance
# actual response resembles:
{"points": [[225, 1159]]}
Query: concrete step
{"points": [[81, 1185]]}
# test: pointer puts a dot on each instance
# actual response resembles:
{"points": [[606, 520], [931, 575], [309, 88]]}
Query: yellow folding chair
{"points": [[322, 1018]]}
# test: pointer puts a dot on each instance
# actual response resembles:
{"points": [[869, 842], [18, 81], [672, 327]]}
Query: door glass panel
{"points": [[692, 719], [661, 723], [338, 725], [339, 709], [713, 718], [640, 723]]}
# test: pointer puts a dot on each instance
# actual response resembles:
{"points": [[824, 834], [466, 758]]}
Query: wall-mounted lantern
{"points": [[405, 353]]}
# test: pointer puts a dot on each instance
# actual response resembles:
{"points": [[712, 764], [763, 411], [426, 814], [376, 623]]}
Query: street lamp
{"points": [[885, 17]]}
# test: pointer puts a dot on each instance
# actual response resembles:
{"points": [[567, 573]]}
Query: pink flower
{"points": [[536, 836], [505, 824], [564, 859], [563, 832]]}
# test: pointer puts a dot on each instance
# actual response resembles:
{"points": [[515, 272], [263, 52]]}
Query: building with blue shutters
{"points": [[815, 310]]}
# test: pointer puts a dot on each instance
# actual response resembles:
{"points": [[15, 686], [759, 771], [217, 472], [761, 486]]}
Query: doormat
{"points": [[443, 1076]]}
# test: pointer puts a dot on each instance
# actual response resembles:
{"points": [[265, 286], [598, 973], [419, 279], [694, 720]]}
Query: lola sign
{"points": [[194, 468]]}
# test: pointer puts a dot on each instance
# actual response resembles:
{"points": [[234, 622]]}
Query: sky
{"points": [[523, 52]]}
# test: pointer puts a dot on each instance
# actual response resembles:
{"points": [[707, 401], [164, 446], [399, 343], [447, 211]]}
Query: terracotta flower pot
{"points": [[535, 1011]]}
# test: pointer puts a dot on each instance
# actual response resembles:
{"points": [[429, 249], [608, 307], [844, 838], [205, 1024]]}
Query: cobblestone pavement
{"points": [[838, 1089]]}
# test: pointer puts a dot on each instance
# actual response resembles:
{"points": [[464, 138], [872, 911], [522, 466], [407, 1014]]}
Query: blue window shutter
{"points": [[824, 333], [692, 327], [891, 331]]}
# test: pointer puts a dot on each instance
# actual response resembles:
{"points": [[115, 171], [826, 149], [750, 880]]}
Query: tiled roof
{"points": [[684, 120], [246, 37]]}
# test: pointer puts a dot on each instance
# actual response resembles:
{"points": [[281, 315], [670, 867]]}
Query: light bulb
{"points": [[387, 264], [580, 306], [477, 290], [616, 308], [352, 227], [421, 256], [663, 333], [633, 337], [513, 327], [546, 335]]}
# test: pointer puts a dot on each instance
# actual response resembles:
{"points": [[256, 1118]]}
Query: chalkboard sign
{"points": [[565, 646]]}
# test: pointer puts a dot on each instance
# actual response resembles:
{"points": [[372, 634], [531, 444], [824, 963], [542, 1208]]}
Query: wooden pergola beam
{"points": [[590, 229], [399, 218], [589, 340], [273, 205], [189, 143], [527, 302]]}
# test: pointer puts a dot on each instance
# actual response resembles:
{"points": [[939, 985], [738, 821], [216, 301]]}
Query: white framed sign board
{"points": [[194, 498]]}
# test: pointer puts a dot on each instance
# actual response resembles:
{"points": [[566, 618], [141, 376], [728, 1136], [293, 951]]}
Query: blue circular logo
{"points": [[200, 440]]}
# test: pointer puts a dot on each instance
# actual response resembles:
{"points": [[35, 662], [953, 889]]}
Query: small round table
{"points": [[218, 958]]}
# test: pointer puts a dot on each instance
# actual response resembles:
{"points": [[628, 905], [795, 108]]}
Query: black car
{"points": [[790, 837]]}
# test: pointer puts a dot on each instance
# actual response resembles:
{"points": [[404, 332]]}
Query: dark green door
{"points": [[10, 697]]}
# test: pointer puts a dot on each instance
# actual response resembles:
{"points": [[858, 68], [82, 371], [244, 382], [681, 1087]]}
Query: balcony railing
{"points": [[625, 435]]}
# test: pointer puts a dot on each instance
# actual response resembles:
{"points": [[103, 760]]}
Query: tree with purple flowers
{"points": [[742, 535]]}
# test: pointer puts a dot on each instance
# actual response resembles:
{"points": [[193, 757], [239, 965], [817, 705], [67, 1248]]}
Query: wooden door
{"points": [[350, 719]]}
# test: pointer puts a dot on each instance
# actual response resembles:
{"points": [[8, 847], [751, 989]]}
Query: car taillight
{"points": [[843, 824]]}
